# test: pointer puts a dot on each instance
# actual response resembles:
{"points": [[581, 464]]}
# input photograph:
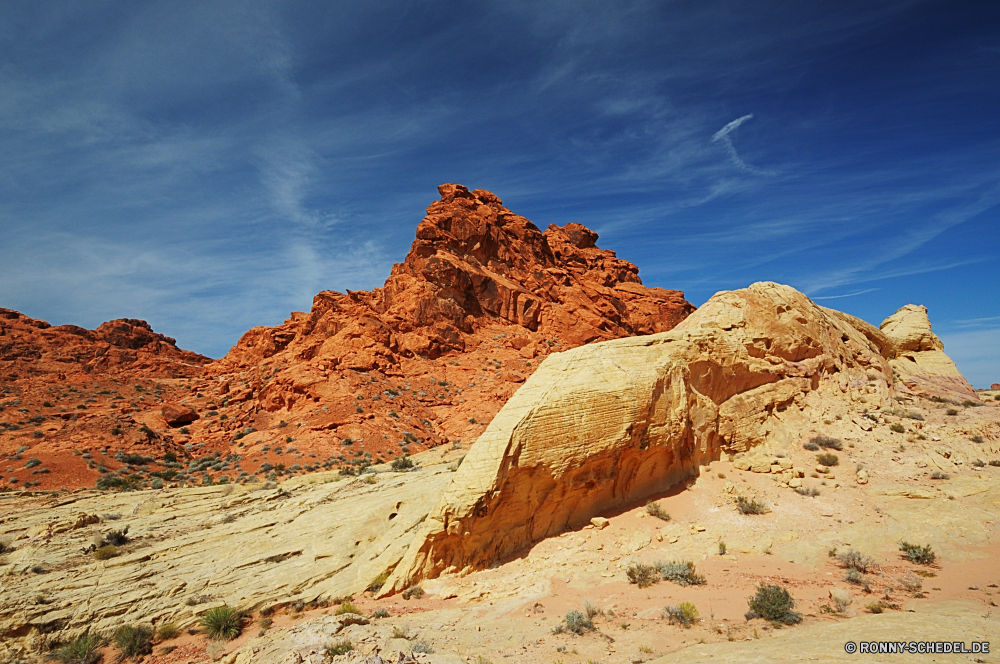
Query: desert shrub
{"points": [[913, 415], [591, 610], [116, 537], [339, 648], [402, 463], [683, 614], [106, 552], [422, 647], [976, 438], [167, 631], [681, 573], [897, 427], [642, 575], [969, 403], [654, 509], [811, 492], [856, 560], [5, 545], [416, 592], [876, 607], [811, 446], [123, 482], [841, 602], [951, 411], [751, 506], [827, 443], [32, 462], [772, 602], [380, 612], [995, 463], [827, 459], [84, 649], [378, 582], [938, 475], [722, 548], [855, 577], [400, 633], [134, 641], [575, 622], [157, 483], [921, 555], [347, 606], [979, 463], [911, 582], [222, 623]]}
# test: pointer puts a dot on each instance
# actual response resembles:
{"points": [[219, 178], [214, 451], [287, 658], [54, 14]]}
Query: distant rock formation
{"points": [[603, 426], [30, 347], [918, 358]]}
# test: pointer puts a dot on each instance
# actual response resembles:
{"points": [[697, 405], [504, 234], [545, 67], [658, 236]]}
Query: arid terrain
{"points": [[513, 452]]}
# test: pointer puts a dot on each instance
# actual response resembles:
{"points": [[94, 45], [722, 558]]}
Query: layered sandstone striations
{"points": [[30, 347], [918, 359], [602, 426]]}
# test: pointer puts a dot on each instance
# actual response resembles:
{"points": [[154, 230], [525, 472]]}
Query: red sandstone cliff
{"points": [[482, 297]]}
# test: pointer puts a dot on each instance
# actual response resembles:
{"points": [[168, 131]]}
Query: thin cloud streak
{"points": [[723, 136], [837, 297]]}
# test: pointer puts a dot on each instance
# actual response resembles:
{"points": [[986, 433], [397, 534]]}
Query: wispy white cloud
{"points": [[723, 136], [837, 297]]}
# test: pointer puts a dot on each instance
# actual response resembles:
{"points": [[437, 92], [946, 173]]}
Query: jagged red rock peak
{"points": [[31, 347], [474, 263], [481, 298]]}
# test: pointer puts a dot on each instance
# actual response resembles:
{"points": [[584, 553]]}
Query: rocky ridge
{"points": [[365, 377], [602, 426], [31, 347]]}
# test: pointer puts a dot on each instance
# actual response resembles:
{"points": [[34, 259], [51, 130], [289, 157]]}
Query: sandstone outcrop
{"points": [[176, 415], [606, 425], [197, 548], [473, 263], [30, 347], [429, 359], [918, 359]]}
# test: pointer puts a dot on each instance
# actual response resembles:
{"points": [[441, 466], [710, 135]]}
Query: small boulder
{"points": [[177, 415], [599, 522], [862, 477]]}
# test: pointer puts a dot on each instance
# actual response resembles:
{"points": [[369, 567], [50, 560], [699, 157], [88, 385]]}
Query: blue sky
{"points": [[211, 166]]}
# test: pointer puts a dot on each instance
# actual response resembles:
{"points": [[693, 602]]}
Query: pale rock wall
{"points": [[606, 425], [918, 357]]}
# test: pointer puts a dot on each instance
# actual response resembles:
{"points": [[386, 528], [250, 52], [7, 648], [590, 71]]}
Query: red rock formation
{"points": [[429, 358], [473, 264], [30, 347]]}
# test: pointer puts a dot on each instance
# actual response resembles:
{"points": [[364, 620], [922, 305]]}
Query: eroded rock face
{"points": [[918, 357], [605, 425], [30, 347], [474, 263], [427, 360]]}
